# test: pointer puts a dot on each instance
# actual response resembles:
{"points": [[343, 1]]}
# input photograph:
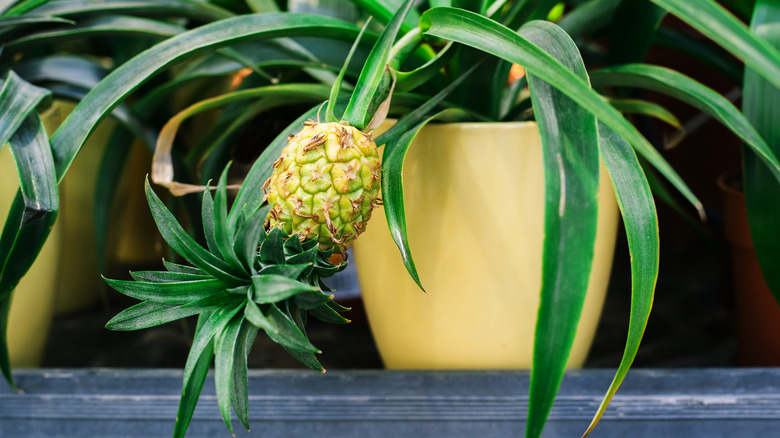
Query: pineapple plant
{"points": [[266, 256]]}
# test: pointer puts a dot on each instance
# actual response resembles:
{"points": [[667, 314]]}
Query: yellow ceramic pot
{"points": [[474, 197], [132, 237], [80, 284]]}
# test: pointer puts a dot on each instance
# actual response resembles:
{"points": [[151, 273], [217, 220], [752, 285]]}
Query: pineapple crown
{"points": [[245, 281]]}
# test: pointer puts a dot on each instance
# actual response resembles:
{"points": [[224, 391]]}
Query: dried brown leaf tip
{"points": [[315, 141]]}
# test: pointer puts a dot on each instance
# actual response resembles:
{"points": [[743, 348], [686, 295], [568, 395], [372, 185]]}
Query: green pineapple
{"points": [[324, 185]]}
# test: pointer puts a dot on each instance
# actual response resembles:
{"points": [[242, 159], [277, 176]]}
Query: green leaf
{"points": [[571, 171], [330, 115], [15, 23], [166, 276], [308, 256], [67, 140], [298, 318], [384, 10], [255, 316], [286, 332], [719, 25], [95, 27], [646, 108], [207, 217], [703, 50], [326, 314], [240, 382], [145, 315], [486, 35], [409, 80], [182, 243], [311, 300], [275, 288], [679, 86], [292, 247], [175, 267], [224, 364], [10, 9], [290, 271], [420, 113], [761, 104], [213, 326], [18, 98], [272, 249], [180, 292], [640, 220], [248, 239], [225, 234], [165, 8], [357, 112], [34, 208], [5, 357], [193, 382], [393, 194]]}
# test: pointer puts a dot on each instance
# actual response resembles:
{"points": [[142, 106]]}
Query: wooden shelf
{"points": [[142, 403]]}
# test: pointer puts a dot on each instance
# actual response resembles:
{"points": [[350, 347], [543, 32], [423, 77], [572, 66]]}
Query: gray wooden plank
{"points": [[142, 403]]}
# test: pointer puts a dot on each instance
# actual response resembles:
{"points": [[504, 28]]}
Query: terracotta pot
{"points": [[484, 294], [757, 312]]}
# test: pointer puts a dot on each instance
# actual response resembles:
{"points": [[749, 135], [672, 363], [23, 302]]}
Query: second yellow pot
{"points": [[474, 196]]}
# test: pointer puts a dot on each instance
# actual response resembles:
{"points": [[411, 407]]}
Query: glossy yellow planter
{"points": [[80, 284], [474, 198]]}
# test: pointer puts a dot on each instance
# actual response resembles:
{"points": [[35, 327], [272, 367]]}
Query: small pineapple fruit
{"points": [[324, 185]]}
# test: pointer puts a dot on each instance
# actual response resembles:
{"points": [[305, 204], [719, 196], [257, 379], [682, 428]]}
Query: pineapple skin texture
{"points": [[325, 184]]}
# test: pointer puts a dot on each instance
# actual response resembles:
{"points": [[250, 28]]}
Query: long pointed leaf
{"points": [[182, 243], [240, 382], [31, 216], [193, 382], [224, 364], [679, 86], [125, 79], [384, 9], [641, 224], [145, 315], [180, 292], [274, 288], [479, 32], [571, 174], [178, 8], [95, 27], [761, 104], [357, 112], [719, 25], [330, 115], [224, 233]]}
